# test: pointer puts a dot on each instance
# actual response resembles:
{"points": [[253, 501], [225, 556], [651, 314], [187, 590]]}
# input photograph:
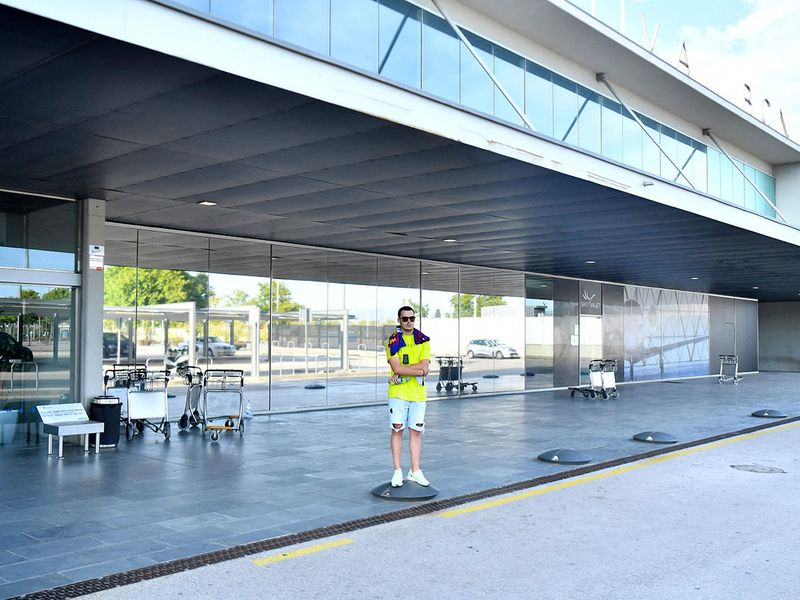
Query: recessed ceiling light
{"points": [[545, 285], [425, 273], [755, 287], [207, 203], [695, 278], [590, 262], [449, 240]]}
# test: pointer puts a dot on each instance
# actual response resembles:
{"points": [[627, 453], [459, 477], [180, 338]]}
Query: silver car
{"points": [[491, 349], [216, 347]]}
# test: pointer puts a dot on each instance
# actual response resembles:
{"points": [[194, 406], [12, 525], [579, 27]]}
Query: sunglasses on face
{"points": [[404, 319]]}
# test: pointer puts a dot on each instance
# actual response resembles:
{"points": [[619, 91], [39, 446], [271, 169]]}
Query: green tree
{"points": [[235, 298], [281, 298], [468, 305], [420, 309], [57, 294], [29, 295], [125, 286]]}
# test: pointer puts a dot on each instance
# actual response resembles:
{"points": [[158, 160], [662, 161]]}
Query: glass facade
{"points": [[414, 47]]}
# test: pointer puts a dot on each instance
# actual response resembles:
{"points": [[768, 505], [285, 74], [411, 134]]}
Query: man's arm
{"points": [[419, 369]]}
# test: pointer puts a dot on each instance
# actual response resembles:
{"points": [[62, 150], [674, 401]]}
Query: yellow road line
{"points": [[603, 474], [260, 562]]}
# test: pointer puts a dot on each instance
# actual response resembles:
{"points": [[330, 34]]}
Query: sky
{"points": [[728, 42]]}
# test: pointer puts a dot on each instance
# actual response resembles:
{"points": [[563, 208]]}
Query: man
{"points": [[408, 353]]}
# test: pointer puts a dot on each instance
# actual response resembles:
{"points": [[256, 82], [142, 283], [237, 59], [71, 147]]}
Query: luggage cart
{"points": [[193, 378], [121, 379], [609, 377], [148, 406], [595, 386], [225, 383], [729, 368], [451, 370]]}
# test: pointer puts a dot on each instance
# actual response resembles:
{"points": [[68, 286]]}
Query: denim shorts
{"points": [[408, 413]]}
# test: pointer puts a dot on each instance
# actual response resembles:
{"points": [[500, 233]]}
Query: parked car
{"points": [[11, 349], [490, 348], [126, 347], [216, 347]]}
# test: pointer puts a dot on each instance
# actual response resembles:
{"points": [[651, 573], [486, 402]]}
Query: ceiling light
{"points": [[695, 278], [647, 183], [449, 240], [755, 287], [590, 262], [207, 203]]}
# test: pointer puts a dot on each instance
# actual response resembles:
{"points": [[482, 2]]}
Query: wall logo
{"points": [[590, 298], [587, 302]]}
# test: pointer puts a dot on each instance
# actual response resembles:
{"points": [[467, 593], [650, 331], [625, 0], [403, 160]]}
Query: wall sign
{"points": [[591, 298], [97, 256]]}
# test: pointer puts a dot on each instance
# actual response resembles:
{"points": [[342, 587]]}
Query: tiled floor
{"points": [[151, 501]]}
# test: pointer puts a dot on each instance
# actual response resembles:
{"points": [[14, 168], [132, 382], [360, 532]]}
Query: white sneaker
{"points": [[418, 477], [397, 478]]}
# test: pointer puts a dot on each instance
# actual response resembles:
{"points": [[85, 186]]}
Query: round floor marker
{"points": [[565, 456], [656, 437], [410, 491], [768, 413]]}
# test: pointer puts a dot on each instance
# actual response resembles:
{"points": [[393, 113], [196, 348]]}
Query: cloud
{"points": [[757, 50]]}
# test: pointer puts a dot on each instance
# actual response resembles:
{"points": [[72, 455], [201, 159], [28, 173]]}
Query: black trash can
{"points": [[106, 409]]}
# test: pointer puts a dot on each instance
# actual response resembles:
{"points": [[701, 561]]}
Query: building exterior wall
{"points": [[787, 192], [779, 336]]}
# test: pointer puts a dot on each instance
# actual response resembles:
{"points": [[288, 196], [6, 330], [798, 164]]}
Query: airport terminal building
{"points": [[260, 184]]}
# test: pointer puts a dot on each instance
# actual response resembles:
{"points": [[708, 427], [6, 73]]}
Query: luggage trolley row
{"points": [[602, 380], [211, 396], [451, 371]]}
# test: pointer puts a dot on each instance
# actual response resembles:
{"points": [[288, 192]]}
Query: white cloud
{"points": [[759, 50]]}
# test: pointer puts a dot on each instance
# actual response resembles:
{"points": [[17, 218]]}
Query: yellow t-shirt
{"points": [[410, 389]]}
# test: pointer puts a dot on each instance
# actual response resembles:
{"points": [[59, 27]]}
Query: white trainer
{"points": [[418, 477], [397, 478]]}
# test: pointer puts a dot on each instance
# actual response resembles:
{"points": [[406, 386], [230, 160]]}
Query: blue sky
{"points": [[729, 43]]}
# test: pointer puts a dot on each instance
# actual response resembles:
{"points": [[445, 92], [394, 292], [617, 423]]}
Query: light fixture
{"points": [[755, 287], [207, 203], [647, 183], [590, 262], [695, 278], [449, 240]]}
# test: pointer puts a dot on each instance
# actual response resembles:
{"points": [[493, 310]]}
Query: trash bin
{"points": [[106, 409]]}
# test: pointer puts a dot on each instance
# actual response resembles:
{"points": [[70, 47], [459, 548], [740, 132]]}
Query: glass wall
{"points": [[538, 332], [414, 47]]}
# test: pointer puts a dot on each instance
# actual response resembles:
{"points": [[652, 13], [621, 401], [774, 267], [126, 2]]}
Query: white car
{"points": [[216, 347], [491, 349]]}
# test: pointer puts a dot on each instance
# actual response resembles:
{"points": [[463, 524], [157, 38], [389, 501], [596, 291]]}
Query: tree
{"points": [[281, 298], [128, 286], [57, 294], [469, 305], [235, 298], [420, 309]]}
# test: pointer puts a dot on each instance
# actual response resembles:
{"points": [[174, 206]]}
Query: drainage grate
{"points": [[194, 562], [757, 469]]}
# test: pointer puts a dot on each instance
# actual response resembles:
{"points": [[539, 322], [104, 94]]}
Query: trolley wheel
{"points": [[572, 394], [128, 431], [448, 386], [605, 395], [140, 426], [183, 422], [214, 436], [592, 394], [735, 382], [438, 387], [196, 415], [167, 430], [720, 380], [474, 388], [241, 427], [470, 354]]}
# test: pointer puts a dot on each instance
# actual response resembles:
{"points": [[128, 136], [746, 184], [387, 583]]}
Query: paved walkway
{"points": [[683, 525], [152, 501]]}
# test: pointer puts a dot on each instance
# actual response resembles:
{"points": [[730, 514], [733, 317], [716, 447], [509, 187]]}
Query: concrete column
{"points": [[90, 305], [787, 191]]}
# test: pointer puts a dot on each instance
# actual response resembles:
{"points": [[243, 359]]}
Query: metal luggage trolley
{"points": [[193, 378], [148, 405], [729, 368], [451, 369], [119, 380], [224, 383], [609, 378], [595, 386]]}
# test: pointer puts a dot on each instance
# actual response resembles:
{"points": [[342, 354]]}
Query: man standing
{"points": [[408, 352]]}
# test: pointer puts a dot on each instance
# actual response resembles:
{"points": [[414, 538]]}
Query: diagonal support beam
{"points": [[601, 77], [707, 133]]}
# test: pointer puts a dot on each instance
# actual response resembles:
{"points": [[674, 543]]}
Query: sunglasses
{"points": [[404, 319]]}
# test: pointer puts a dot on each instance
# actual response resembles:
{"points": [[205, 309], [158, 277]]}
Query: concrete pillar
{"points": [[787, 191], [90, 304]]}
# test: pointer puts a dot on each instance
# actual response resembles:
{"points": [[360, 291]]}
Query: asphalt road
{"points": [[712, 522]]}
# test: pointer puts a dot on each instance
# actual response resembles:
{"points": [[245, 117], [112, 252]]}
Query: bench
{"points": [[69, 419]]}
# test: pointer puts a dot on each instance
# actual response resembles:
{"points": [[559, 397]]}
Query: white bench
{"points": [[69, 419]]}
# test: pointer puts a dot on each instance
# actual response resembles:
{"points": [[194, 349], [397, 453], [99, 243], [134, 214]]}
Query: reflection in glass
{"points": [[354, 33], [612, 129], [539, 98], [439, 314], [737, 184], [565, 109], [509, 68], [651, 155], [631, 142], [253, 14], [538, 332], [477, 89], [669, 144], [37, 233], [699, 167], [303, 22], [714, 172], [399, 37], [589, 120], [440, 48]]}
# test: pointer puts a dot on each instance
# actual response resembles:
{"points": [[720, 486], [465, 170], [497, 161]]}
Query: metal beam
{"points": [[601, 77], [707, 132], [457, 30]]}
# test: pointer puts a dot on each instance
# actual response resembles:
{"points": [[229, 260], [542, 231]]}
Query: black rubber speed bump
{"points": [[410, 491], [491, 376], [565, 456], [314, 386], [768, 413], [655, 437]]}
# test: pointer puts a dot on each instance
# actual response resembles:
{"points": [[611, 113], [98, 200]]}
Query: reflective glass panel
{"points": [[565, 110], [354, 33], [726, 178], [699, 165], [253, 14], [399, 42], [737, 184], [612, 129], [303, 22], [439, 312], [509, 69], [750, 191], [589, 120], [201, 5], [440, 50], [539, 98], [669, 144], [538, 332], [684, 152], [477, 88], [651, 155], [37, 233], [631, 142], [714, 172]]}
